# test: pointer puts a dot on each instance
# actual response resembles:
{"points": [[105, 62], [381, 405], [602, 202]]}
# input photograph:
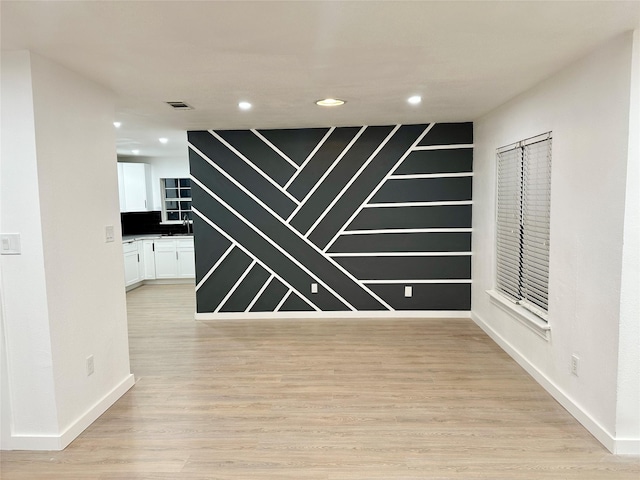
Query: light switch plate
{"points": [[108, 233], [10, 244]]}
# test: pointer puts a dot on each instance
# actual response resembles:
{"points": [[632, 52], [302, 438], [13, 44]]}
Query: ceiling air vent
{"points": [[180, 106]]}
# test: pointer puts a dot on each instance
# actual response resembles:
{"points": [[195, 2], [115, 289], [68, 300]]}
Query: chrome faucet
{"points": [[186, 223]]}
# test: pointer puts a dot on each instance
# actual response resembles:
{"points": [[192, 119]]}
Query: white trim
{"points": [[235, 286], [260, 292], [264, 265], [284, 224], [443, 147], [399, 254], [375, 190], [60, 442], [376, 314], [269, 240], [419, 204], [612, 444], [284, 299], [275, 149], [161, 281], [408, 282], [416, 176], [255, 167], [523, 315], [309, 157], [406, 230], [215, 265], [327, 172], [352, 180]]}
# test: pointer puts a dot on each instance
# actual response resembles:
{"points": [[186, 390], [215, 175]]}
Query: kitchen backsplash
{"points": [[134, 223]]}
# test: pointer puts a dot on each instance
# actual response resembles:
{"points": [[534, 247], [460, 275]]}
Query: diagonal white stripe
{"points": [[260, 292], [274, 148], [215, 265], [292, 230], [245, 250], [284, 299], [326, 174], [235, 287], [313, 152], [274, 244], [375, 190], [264, 175], [353, 179]]}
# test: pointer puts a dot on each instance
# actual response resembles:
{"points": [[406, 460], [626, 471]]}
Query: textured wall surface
{"points": [[356, 213]]}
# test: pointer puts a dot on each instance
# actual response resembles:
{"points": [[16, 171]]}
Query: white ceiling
{"points": [[464, 58]]}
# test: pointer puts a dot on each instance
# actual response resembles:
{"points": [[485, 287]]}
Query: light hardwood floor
{"points": [[321, 399]]}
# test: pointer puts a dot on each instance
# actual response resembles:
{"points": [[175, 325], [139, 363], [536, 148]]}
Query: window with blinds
{"points": [[523, 208]]}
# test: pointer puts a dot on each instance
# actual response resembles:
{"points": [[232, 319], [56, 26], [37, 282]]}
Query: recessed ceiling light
{"points": [[330, 102], [244, 105], [117, 124], [163, 140], [135, 152], [416, 99]]}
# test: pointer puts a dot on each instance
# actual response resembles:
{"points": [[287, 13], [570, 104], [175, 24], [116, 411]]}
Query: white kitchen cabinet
{"points": [[148, 254], [174, 258], [162, 259], [185, 256], [132, 267], [166, 258], [134, 187]]}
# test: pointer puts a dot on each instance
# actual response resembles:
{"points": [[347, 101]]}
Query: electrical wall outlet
{"points": [[89, 365], [574, 364], [314, 288], [408, 291]]}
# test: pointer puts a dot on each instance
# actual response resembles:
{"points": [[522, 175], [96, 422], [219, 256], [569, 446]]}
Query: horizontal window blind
{"points": [[523, 214], [509, 226]]}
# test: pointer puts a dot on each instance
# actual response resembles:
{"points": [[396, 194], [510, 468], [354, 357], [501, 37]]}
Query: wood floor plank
{"points": [[321, 399]]}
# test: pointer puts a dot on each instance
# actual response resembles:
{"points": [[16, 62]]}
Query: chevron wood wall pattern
{"points": [[361, 212]]}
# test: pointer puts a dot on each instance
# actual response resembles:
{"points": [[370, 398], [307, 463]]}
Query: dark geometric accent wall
{"points": [[333, 219]]}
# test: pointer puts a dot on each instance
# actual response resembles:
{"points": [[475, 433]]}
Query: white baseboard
{"points": [[161, 281], [614, 445], [60, 442], [384, 314]]}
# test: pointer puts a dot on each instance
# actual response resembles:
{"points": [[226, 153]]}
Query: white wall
{"points": [[28, 357], [64, 297], [586, 106], [162, 167], [628, 411]]}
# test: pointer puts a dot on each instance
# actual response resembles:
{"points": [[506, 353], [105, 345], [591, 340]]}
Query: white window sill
{"points": [[174, 222], [524, 316]]}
